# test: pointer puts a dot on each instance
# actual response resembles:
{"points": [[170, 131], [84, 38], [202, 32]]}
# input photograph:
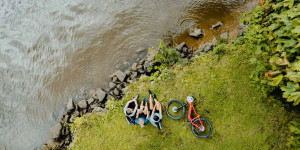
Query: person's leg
{"points": [[150, 100], [140, 110]]}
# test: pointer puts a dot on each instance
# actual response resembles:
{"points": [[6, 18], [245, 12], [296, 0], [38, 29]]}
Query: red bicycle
{"points": [[201, 127]]}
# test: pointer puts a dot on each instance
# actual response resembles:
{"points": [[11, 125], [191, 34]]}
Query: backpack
{"points": [[130, 120]]}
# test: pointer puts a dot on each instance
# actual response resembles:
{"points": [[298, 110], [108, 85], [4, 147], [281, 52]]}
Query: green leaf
{"points": [[275, 60], [296, 65], [293, 76], [288, 3], [276, 80], [290, 88], [296, 31], [295, 97]]}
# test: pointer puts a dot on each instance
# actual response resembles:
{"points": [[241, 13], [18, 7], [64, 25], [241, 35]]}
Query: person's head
{"points": [[129, 111], [141, 122], [155, 118]]}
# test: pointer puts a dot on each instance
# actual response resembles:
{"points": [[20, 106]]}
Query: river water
{"points": [[51, 50]]}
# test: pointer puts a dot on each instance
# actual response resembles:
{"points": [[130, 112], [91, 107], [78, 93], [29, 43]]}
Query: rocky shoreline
{"points": [[95, 99]]}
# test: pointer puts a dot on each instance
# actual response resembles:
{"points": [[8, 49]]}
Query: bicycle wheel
{"points": [[204, 132], [175, 109]]}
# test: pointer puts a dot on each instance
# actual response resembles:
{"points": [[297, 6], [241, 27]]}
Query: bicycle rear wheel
{"points": [[202, 132], [175, 109]]}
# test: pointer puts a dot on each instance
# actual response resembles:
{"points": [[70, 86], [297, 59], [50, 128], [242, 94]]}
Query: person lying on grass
{"points": [[142, 113], [155, 111], [130, 110]]}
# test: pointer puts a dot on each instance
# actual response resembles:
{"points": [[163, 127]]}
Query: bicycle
{"points": [[200, 127]]}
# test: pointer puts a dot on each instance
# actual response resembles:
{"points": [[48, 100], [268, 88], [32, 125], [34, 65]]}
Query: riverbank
{"points": [[242, 116]]}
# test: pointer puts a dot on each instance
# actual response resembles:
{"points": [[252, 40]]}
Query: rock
{"points": [[111, 85], [181, 46], [216, 25], [127, 72], [134, 67], [243, 29], [141, 71], [182, 55], [143, 76], [90, 101], [94, 105], [76, 113], [121, 75], [66, 118], [102, 105], [214, 41], [197, 33], [84, 111], [126, 84], [141, 62], [134, 75], [224, 35], [119, 86], [207, 47], [116, 91], [98, 109], [185, 50], [52, 144], [72, 119], [55, 131], [82, 104], [100, 94], [92, 93], [139, 67], [70, 105]]}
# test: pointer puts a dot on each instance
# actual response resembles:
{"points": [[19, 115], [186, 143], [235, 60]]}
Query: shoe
{"points": [[146, 100], [150, 92], [153, 95], [143, 99], [137, 96]]}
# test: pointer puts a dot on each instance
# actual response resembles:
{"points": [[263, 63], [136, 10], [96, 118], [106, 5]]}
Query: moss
{"points": [[240, 115]]}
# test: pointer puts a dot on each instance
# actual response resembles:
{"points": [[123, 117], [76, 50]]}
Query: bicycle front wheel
{"points": [[199, 131], [175, 109]]}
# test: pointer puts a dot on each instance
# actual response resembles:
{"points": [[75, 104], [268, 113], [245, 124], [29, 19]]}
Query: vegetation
{"points": [[242, 97]]}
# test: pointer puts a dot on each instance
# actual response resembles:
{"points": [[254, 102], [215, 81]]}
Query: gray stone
{"points": [[90, 101], [66, 118], [121, 75], [216, 25], [114, 79], [214, 41], [242, 29], [197, 33], [141, 62], [71, 120], [76, 113], [82, 104], [180, 46], [70, 105], [139, 67], [141, 71], [185, 50], [52, 144], [134, 75], [111, 85], [182, 55], [55, 131], [93, 93], [116, 91], [119, 86], [94, 105], [224, 35], [134, 67], [127, 72], [99, 109], [100, 94]]}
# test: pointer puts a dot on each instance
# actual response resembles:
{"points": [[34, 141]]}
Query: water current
{"points": [[51, 50]]}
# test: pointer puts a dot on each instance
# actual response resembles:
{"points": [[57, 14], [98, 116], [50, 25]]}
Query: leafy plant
{"points": [[294, 140], [166, 55]]}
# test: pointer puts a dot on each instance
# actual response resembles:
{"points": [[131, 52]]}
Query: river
{"points": [[52, 50]]}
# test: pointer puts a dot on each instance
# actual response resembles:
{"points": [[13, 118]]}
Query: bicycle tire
{"points": [[170, 111], [202, 134]]}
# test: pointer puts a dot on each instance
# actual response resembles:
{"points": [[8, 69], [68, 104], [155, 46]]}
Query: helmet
{"points": [[190, 99]]}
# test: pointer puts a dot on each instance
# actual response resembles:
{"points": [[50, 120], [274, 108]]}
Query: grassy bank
{"points": [[240, 116]]}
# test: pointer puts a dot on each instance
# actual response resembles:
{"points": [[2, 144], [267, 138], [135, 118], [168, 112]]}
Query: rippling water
{"points": [[49, 50]]}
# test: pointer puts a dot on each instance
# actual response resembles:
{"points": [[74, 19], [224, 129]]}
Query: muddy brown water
{"points": [[52, 50]]}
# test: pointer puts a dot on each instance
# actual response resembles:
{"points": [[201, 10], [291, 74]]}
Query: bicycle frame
{"points": [[190, 119]]}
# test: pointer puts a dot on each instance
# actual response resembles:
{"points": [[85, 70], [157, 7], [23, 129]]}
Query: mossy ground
{"points": [[241, 117]]}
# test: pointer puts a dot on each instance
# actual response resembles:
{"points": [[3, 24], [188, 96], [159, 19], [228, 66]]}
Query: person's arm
{"points": [[137, 114], [128, 103], [136, 105]]}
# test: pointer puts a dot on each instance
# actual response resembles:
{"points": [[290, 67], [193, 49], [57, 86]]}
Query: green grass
{"points": [[241, 117]]}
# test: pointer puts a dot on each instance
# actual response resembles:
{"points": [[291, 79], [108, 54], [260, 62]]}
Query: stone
{"points": [[76, 112], [180, 46], [100, 94], [111, 85], [216, 25], [115, 79], [214, 41], [207, 47], [90, 100], [185, 50], [66, 118], [182, 55], [197, 33], [224, 35], [119, 86], [92, 93], [55, 131], [94, 105], [127, 72], [141, 71], [242, 29], [139, 67], [116, 91], [121, 75], [52, 144], [71, 120], [70, 105], [134, 75], [141, 62], [99, 109], [82, 104], [134, 67]]}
